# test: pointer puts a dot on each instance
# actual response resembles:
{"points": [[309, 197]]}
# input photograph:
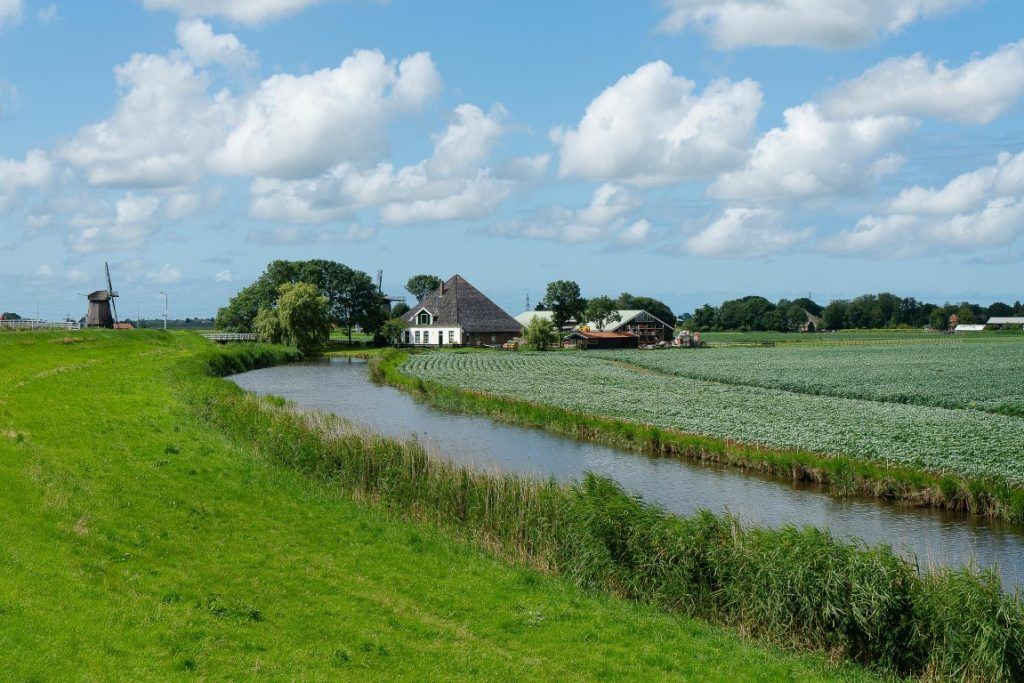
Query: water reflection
{"points": [[342, 386]]}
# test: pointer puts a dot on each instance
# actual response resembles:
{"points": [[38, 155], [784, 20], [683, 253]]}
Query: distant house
{"points": [[597, 339], [1003, 321], [812, 324], [124, 326], [968, 328], [643, 325], [458, 314]]}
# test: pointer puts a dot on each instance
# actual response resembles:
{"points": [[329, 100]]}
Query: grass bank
{"points": [[801, 588], [841, 475], [140, 541]]}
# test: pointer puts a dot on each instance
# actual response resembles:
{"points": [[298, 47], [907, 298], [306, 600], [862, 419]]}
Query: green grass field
{"points": [[138, 542]]}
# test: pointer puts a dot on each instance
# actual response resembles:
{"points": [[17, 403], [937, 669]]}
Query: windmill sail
{"points": [[113, 294]]}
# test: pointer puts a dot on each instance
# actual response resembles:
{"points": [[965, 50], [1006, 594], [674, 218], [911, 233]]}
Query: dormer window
{"points": [[423, 318]]}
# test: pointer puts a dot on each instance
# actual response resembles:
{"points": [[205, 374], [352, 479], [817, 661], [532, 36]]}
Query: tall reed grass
{"points": [[800, 587]]}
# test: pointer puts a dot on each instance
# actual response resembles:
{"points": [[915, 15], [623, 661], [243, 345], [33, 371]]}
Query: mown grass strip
{"points": [[800, 587]]}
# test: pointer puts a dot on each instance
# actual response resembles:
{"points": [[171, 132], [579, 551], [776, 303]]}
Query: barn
{"points": [[1004, 322], [647, 328], [598, 339], [458, 314]]}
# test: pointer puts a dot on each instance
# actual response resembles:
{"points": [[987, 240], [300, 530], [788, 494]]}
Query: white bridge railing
{"points": [[231, 336], [24, 324]]}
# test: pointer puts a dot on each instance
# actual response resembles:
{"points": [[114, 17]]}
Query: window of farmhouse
{"points": [[423, 318], [451, 336], [417, 336]]}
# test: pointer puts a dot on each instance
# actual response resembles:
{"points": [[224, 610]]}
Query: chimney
{"points": [[442, 289]]}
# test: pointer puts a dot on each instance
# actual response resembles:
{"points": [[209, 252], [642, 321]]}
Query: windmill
{"points": [[102, 307]]}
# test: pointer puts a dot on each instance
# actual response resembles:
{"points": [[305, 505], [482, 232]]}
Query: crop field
{"points": [[857, 337], [979, 376], [968, 442]]}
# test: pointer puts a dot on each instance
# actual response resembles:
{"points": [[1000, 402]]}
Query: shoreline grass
{"points": [[801, 588], [139, 541], [839, 475]]}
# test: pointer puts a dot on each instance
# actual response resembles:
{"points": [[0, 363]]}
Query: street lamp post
{"points": [[164, 294]]}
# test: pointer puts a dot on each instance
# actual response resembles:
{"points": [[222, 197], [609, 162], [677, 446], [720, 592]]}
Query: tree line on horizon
{"points": [[868, 311]]}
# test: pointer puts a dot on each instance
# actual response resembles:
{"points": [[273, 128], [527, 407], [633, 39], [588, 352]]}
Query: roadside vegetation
{"points": [[147, 533]]}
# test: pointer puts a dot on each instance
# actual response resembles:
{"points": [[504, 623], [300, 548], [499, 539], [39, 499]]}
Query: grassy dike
{"points": [[798, 587], [841, 476], [157, 523]]}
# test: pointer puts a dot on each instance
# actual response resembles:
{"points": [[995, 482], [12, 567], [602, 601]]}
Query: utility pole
{"points": [[37, 308], [138, 315], [165, 310]]}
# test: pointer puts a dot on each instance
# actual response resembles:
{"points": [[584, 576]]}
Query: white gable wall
{"points": [[427, 335]]}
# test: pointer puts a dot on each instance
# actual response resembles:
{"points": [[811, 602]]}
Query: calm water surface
{"points": [[342, 386]]}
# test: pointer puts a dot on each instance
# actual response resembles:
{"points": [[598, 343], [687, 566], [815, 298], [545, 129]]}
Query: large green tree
{"points": [[601, 310], [392, 330], [564, 301], [659, 309], [541, 333], [421, 285], [352, 297], [301, 317], [304, 314]]}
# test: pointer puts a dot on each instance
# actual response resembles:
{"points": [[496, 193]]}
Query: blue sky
{"points": [[685, 149]]}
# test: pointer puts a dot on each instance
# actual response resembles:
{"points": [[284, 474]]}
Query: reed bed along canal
{"points": [[342, 386]]}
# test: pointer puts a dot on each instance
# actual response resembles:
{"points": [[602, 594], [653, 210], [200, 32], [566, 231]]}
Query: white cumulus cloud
{"points": [[975, 92], [814, 156], [244, 11], [827, 24], [299, 126], [167, 275], [976, 210], [452, 184], [32, 173], [284, 235], [129, 229], [653, 128], [742, 232], [163, 127], [606, 215], [10, 11], [203, 47]]}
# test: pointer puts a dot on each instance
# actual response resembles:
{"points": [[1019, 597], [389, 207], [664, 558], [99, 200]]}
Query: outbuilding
{"points": [[596, 339], [647, 328], [1003, 322]]}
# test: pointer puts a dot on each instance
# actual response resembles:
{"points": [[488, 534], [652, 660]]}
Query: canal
{"points": [[342, 386]]}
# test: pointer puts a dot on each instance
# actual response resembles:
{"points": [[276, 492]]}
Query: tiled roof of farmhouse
{"points": [[457, 302]]}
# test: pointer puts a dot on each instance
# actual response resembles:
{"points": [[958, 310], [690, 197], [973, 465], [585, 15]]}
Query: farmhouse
{"points": [[458, 314], [597, 339]]}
